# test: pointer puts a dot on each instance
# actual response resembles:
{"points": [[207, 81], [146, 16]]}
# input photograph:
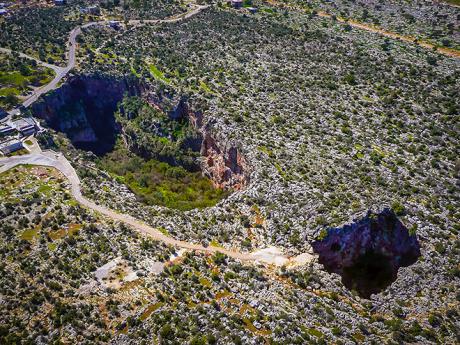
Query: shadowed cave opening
{"points": [[83, 109], [368, 253]]}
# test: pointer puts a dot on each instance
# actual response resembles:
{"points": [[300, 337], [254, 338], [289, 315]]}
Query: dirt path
{"points": [[271, 255], [454, 53], [371, 28], [41, 63], [61, 72]]}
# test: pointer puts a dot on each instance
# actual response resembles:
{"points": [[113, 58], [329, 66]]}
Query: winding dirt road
{"points": [[61, 72], [450, 52], [405, 38], [269, 255], [55, 160]]}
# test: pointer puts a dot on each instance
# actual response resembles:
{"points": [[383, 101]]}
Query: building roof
{"points": [[10, 142], [5, 128], [24, 123]]}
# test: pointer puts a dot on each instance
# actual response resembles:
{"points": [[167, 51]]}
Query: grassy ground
{"points": [[18, 153], [158, 183], [17, 75], [158, 75]]}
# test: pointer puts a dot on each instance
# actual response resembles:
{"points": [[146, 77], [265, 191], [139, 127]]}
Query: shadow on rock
{"points": [[368, 253]]}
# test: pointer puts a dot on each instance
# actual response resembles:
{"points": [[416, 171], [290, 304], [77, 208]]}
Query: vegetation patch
{"points": [[39, 31], [159, 183], [164, 168], [149, 310], [157, 74], [18, 153], [18, 75], [29, 234]]}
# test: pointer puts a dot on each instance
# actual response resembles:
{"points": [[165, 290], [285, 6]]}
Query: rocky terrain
{"points": [[41, 29], [420, 19], [328, 139]]}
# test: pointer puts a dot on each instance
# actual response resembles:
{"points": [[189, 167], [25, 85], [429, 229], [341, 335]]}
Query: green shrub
{"points": [[398, 208]]}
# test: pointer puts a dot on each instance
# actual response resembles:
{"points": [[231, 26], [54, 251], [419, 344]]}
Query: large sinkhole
{"points": [[152, 141], [367, 254]]}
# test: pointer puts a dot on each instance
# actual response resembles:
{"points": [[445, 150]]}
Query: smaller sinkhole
{"points": [[367, 254]]}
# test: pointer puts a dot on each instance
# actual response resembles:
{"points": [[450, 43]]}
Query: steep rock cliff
{"points": [[222, 160], [83, 108]]}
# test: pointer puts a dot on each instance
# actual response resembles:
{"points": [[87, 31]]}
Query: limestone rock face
{"points": [[368, 253], [223, 163]]}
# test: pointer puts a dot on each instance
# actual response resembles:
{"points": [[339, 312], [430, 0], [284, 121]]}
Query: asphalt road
{"points": [[61, 72]]}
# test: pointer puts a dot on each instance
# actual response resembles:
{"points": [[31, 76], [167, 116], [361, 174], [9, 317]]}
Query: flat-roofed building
{"points": [[10, 146], [26, 126], [6, 130]]}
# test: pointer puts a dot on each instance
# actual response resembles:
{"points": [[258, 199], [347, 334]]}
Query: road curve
{"points": [[270, 255], [61, 72], [42, 63]]}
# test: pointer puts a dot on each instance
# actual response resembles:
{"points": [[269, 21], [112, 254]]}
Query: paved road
{"points": [[61, 72], [53, 67], [56, 160]]}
